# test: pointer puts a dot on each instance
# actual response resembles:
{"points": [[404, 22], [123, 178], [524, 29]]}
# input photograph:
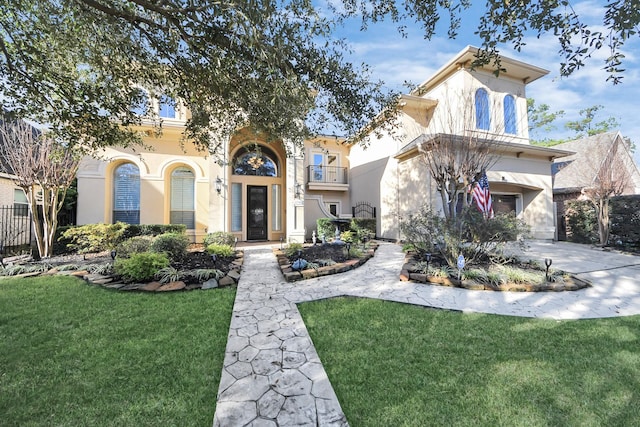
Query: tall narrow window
{"points": [[126, 194], [182, 198], [167, 107], [276, 215], [482, 109], [510, 115], [236, 206]]}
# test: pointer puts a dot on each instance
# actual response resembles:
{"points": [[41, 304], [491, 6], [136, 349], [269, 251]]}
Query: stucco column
{"points": [[295, 194]]}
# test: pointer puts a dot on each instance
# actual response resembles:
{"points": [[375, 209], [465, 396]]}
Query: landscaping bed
{"points": [[97, 269], [322, 259], [510, 277]]}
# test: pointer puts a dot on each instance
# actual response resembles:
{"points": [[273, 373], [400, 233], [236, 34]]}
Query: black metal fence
{"points": [[363, 210], [15, 227]]}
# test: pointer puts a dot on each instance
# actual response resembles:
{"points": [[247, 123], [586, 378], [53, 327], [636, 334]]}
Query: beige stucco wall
{"points": [[95, 181], [7, 188]]}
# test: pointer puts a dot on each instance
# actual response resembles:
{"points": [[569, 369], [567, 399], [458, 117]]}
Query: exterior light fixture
{"points": [[218, 185], [427, 257], [281, 240], [235, 243], [113, 254], [547, 263], [298, 190], [348, 245]]}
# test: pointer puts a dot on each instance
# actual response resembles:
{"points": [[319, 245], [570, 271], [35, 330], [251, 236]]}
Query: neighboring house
{"points": [[15, 221], [605, 154], [258, 192]]}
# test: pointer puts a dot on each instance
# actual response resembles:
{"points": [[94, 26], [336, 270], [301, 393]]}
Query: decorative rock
{"points": [[210, 284], [151, 286], [234, 274], [172, 286], [226, 281]]}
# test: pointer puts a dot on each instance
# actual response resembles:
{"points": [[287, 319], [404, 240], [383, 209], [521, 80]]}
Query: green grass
{"points": [[400, 365], [73, 354]]}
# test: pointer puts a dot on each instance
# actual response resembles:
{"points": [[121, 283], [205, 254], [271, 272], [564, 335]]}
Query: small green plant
{"points": [[325, 262], [475, 274], [355, 252], [93, 238], [103, 269], [173, 244], [168, 274], [219, 238], [222, 251], [204, 274], [13, 270], [68, 267], [292, 249], [134, 245], [348, 236], [141, 267]]}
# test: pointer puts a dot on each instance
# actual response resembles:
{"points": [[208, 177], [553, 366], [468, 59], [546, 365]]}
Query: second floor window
{"points": [[510, 115], [482, 109], [167, 107], [325, 167]]}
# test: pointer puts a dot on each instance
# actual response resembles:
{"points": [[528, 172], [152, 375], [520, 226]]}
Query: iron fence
{"points": [[15, 227]]}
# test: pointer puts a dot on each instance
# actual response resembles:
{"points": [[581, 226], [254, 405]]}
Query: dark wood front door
{"points": [[257, 212]]}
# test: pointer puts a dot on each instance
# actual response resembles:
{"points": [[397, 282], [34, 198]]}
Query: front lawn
{"points": [[400, 365], [74, 354]]}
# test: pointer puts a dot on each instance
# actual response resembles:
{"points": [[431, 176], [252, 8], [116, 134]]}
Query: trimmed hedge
{"points": [[359, 227]]}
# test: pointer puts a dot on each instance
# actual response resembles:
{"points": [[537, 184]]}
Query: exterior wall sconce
{"points": [[298, 190], [218, 185]]}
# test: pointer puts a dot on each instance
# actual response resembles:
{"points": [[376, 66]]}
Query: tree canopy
{"points": [[78, 65]]}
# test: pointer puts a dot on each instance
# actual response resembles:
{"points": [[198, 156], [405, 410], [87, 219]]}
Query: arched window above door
{"points": [[255, 161]]}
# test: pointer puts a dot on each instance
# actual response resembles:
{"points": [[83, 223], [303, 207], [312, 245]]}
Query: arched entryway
{"points": [[257, 191]]}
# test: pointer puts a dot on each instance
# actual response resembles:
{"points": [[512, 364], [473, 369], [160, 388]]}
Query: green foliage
{"points": [[153, 230], [168, 274], [134, 245], [624, 215], [292, 249], [219, 238], [141, 267], [259, 62], [363, 228], [586, 127], [325, 228], [469, 234], [204, 274], [173, 244], [582, 222], [220, 250], [348, 236], [94, 237]]}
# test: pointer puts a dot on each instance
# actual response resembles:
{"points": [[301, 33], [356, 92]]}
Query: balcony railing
{"points": [[327, 175]]}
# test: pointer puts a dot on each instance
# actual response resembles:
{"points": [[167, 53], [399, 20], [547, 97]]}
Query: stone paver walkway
{"points": [[272, 375]]}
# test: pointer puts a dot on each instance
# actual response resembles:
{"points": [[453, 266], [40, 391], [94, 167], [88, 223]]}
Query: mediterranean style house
{"points": [[263, 191]]}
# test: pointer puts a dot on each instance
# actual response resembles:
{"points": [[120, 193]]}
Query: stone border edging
{"points": [[406, 275], [291, 275]]}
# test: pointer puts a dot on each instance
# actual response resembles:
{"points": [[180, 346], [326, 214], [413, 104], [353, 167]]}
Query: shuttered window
{"points": [[182, 198], [126, 194]]}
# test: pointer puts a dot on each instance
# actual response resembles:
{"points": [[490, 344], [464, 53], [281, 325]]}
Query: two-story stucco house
{"points": [[258, 192]]}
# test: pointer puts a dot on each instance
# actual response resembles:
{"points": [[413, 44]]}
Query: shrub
{"points": [[94, 237], [153, 230], [219, 238], [134, 245], [582, 224], [168, 274], [222, 251], [363, 228], [173, 244], [292, 249], [141, 267], [468, 234], [347, 236]]}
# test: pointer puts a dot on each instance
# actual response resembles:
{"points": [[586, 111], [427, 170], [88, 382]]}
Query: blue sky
{"points": [[395, 59]]}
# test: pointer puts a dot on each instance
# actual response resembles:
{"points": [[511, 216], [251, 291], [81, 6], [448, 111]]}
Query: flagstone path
{"points": [[272, 375]]}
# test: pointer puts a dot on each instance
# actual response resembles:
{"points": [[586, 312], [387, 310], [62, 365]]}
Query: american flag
{"points": [[482, 196]]}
